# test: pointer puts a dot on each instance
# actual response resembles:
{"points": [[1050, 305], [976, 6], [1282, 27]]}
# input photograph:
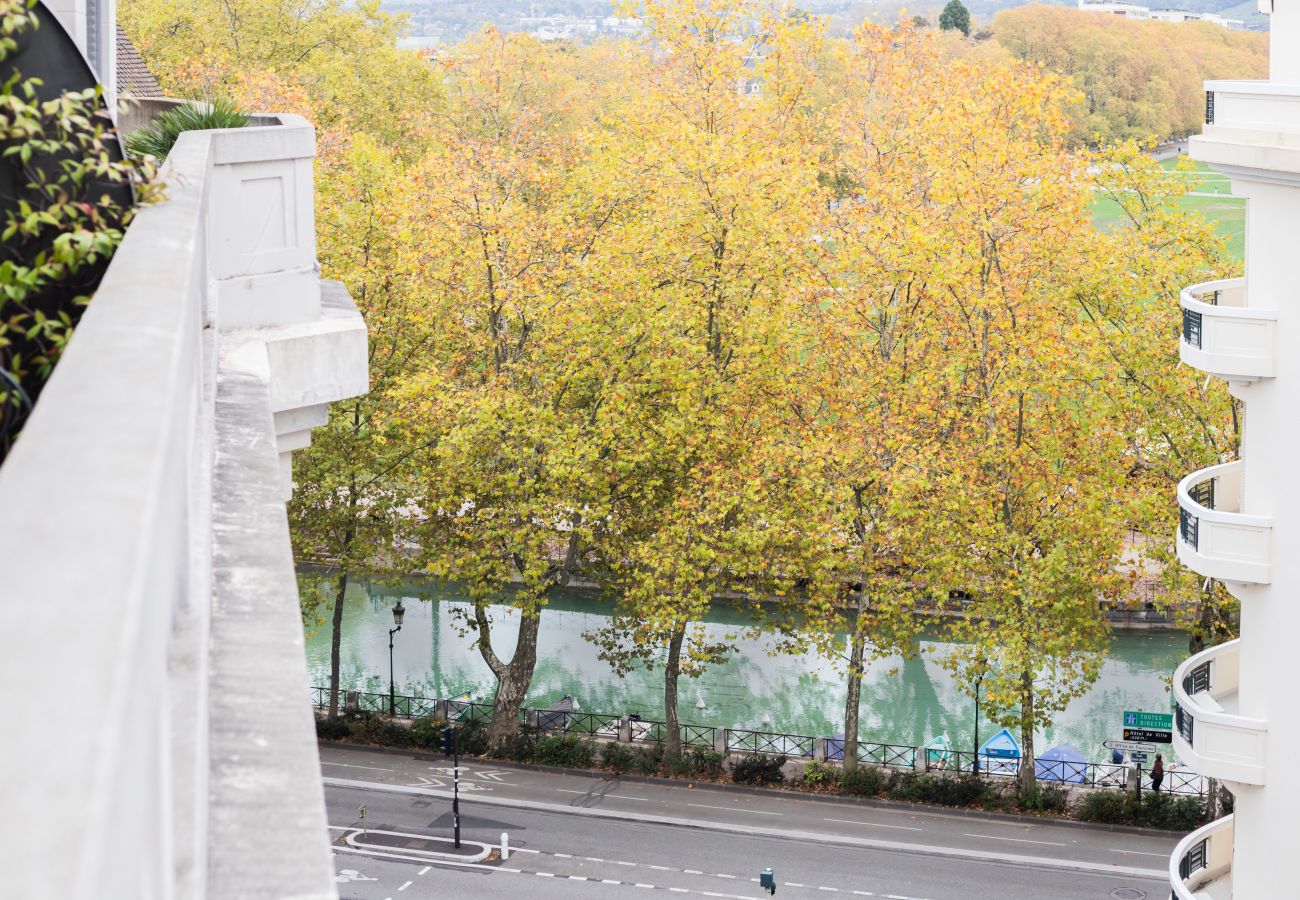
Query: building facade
{"points": [[1236, 710]]}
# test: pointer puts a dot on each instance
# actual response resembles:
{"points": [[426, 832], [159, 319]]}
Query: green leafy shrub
{"points": [[821, 775], [1164, 811], [426, 732], [864, 781], [965, 790], [371, 728], [65, 202], [473, 739], [1043, 798], [759, 768], [328, 729], [640, 760], [705, 763], [1152, 811], [158, 138], [565, 750], [1106, 807]]}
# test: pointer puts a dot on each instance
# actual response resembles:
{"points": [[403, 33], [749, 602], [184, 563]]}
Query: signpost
{"points": [[1148, 728], [1150, 721], [1130, 746], [1150, 737]]}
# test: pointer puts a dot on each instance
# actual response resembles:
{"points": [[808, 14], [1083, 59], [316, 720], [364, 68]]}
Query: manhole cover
{"points": [[1128, 894]]}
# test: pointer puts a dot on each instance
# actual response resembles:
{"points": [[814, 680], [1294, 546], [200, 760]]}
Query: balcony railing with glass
{"points": [[1211, 737], [1201, 866], [1225, 336], [1215, 537]]}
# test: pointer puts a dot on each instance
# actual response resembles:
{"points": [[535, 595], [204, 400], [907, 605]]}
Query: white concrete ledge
{"points": [[268, 836], [162, 744]]}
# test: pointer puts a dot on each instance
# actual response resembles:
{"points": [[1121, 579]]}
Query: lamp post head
{"points": [[398, 612]]}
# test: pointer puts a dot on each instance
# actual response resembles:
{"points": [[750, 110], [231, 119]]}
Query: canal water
{"points": [[904, 701]]}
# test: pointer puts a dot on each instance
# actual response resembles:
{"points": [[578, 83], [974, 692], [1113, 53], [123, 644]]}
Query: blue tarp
{"points": [[1062, 763], [1000, 754]]}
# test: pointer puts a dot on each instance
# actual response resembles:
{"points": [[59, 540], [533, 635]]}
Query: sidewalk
{"points": [[870, 824]]}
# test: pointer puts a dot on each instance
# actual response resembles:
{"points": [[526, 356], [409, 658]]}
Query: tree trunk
{"points": [[1027, 781], [513, 680], [336, 637], [853, 698], [672, 673]]}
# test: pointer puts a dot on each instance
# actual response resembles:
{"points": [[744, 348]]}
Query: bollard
{"points": [[505, 846]]}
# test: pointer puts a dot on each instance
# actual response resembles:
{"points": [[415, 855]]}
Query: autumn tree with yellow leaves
{"points": [[734, 313]]}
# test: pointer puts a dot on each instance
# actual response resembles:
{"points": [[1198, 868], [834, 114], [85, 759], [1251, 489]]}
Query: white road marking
{"points": [[544, 874], [827, 889], [593, 859], [679, 890], [422, 871], [1017, 840], [692, 872], [614, 796], [609, 881], [325, 762], [757, 812], [564, 855], [405, 886], [577, 877], [619, 862], [864, 893], [874, 824], [662, 868], [720, 875], [1140, 853], [651, 886], [793, 884]]}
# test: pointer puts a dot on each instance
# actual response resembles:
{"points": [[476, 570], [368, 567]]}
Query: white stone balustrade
{"points": [[1226, 336], [1212, 737], [1250, 125], [150, 636], [1201, 865], [1217, 538]]}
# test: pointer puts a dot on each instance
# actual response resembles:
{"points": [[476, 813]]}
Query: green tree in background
{"points": [[955, 16]]}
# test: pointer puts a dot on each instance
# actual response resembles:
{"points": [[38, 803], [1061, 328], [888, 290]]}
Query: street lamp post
{"points": [[975, 765], [398, 612]]}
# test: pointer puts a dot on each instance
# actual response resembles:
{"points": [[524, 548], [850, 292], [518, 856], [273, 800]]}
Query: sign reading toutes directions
{"points": [[1151, 728]]}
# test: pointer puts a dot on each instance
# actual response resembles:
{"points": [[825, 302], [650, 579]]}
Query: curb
{"points": [[870, 802]]}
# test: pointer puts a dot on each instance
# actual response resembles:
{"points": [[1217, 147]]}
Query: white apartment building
{"points": [[160, 741], [1144, 13], [1237, 714]]}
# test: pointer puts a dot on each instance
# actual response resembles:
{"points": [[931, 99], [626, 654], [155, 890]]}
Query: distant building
{"points": [[1144, 13]]}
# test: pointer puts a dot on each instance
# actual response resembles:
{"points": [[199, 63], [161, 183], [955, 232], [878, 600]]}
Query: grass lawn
{"points": [[1227, 213]]}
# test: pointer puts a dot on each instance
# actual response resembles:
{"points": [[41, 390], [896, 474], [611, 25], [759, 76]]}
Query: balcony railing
{"points": [[1201, 866], [1224, 335], [1215, 537], [1253, 124], [1211, 737]]}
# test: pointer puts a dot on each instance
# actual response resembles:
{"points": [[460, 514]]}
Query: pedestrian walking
{"points": [[1157, 773]]}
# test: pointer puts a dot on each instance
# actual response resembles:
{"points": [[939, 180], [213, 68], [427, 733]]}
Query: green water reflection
{"points": [[903, 700]]}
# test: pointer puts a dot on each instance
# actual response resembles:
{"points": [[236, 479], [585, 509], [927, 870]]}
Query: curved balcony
{"points": [[1201, 867], [1217, 539], [1223, 335], [1250, 125], [1211, 737]]}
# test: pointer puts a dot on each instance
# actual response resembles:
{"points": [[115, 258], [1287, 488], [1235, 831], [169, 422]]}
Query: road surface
{"points": [[578, 836]]}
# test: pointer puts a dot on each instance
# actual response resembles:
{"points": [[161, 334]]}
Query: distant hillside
{"points": [[1136, 79]]}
